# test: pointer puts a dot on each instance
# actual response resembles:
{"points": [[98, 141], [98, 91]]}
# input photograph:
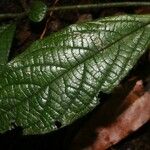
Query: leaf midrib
{"points": [[84, 60], [91, 56], [96, 52]]}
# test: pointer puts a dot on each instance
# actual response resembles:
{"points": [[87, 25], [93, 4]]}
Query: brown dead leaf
{"points": [[114, 121], [130, 120]]}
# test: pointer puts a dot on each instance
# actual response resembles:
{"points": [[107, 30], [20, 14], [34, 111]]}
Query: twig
{"points": [[48, 20], [91, 6], [100, 5], [13, 15]]}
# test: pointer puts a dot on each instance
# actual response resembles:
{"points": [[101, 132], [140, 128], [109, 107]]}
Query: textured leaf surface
{"points": [[6, 36], [59, 78], [37, 11]]}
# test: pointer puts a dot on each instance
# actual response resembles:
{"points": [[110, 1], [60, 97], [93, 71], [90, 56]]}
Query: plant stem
{"points": [[86, 6], [13, 15], [100, 5]]}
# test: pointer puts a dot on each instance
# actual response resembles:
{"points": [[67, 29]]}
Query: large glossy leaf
{"points": [[6, 37], [59, 78]]}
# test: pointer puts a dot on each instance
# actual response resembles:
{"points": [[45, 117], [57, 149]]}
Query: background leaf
{"points": [[6, 36], [37, 11], [59, 78]]}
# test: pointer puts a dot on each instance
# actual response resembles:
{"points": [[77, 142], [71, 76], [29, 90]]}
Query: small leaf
{"points": [[37, 11], [6, 36], [58, 78]]}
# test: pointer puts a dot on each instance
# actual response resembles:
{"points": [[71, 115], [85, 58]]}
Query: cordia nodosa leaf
{"points": [[58, 78]]}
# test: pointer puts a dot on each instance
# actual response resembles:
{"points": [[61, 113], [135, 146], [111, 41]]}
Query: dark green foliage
{"points": [[37, 11], [58, 78]]}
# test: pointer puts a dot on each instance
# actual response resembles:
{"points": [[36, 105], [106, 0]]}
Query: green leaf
{"points": [[37, 11], [59, 78], [6, 36]]}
